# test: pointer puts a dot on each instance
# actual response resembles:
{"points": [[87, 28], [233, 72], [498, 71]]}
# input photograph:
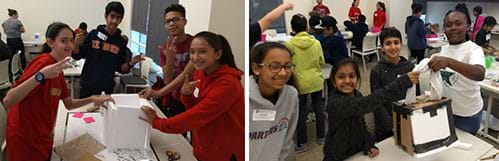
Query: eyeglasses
{"points": [[174, 20], [276, 67]]}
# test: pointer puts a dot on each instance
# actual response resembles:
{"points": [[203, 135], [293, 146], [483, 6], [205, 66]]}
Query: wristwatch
{"points": [[40, 77]]}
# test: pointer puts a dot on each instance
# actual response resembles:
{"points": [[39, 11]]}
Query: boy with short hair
{"points": [[483, 36]]}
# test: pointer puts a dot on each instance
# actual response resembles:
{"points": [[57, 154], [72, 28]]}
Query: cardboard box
{"points": [[425, 127], [122, 127]]}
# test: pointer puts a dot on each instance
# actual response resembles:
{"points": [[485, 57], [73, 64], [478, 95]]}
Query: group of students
{"points": [[214, 101], [276, 101]]}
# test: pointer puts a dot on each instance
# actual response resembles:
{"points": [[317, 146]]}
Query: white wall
{"points": [[36, 15], [399, 10], [197, 14], [231, 27]]}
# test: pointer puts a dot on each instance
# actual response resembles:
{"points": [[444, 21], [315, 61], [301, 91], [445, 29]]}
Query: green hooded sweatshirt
{"points": [[308, 59]]}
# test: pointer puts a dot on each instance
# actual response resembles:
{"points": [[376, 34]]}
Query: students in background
{"points": [[334, 46], [462, 7], [415, 30], [174, 56], [256, 29], [105, 53], [214, 102], [462, 66], [480, 17], [322, 9], [314, 26], [82, 28], [271, 137], [483, 36], [379, 19], [383, 73], [34, 99], [354, 11], [308, 57], [347, 132], [13, 27], [359, 31]]}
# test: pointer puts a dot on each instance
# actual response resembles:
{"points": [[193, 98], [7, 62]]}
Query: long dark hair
{"points": [[219, 42], [52, 31], [382, 5], [341, 63]]}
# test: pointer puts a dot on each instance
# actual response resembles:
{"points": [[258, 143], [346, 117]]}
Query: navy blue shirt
{"points": [[334, 48]]}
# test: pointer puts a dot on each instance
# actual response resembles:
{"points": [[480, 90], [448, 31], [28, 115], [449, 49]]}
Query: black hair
{"points": [[52, 31], [382, 5], [362, 18], [219, 42], [478, 9], [462, 7], [389, 32], [175, 8], [12, 12], [298, 23], [83, 26], [489, 21], [115, 6], [353, 3], [259, 52], [416, 8], [457, 10], [314, 20], [344, 62]]}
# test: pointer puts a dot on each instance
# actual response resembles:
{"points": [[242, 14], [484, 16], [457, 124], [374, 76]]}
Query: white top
{"points": [[464, 92]]}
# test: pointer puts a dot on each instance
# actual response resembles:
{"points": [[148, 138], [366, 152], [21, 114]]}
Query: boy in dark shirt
{"points": [[483, 36]]}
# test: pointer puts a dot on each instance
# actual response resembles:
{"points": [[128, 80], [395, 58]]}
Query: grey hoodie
{"points": [[272, 140]]}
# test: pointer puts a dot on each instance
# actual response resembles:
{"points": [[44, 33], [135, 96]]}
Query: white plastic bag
{"points": [[436, 83]]}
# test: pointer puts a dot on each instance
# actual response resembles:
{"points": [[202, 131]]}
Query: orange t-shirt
{"points": [[30, 123]]}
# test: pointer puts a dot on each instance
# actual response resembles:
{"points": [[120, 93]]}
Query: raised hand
{"points": [[188, 87]]}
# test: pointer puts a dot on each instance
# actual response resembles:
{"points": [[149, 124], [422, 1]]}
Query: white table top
{"points": [[492, 73], [326, 70], [76, 70], [436, 42], [390, 152], [160, 141]]}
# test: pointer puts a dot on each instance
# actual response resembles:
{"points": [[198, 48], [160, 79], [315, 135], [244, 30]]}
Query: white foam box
{"points": [[122, 127], [425, 127]]}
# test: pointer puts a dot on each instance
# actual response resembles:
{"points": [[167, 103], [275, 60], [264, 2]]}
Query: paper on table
{"points": [[89, 119], [78, 115], [74, 150]]}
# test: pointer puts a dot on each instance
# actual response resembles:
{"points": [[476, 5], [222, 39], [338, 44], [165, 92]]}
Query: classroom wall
{"points": [[36, 16], [201, 19], [436, 10], [231, 27]]}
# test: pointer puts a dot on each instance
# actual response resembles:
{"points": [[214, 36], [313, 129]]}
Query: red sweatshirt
{"points": [[30, 123], [354, 14], [379, 18], [215, 115]]}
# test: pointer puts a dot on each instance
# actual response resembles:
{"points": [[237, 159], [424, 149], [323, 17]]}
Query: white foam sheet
{"points": [[122, 127]]}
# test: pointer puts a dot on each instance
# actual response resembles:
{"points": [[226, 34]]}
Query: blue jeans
{"points": [[469, 124], [317, 105]]}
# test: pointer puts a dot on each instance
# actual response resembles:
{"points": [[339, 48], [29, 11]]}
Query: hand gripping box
{"points": [[425, 127], [122, 127]]}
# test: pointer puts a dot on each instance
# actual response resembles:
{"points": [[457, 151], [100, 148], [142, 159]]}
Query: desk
{"points": [[492, 92], [32, 49], [326, 71], [388, 151], [435, 43], [73, 73], [160, 141]]}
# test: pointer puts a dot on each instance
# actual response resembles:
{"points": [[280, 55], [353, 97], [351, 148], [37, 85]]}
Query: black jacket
{"points": [[347, 133], [104, 54], [359, 31]]}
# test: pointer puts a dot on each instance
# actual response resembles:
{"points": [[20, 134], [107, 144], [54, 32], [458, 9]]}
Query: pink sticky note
{"points": [[78, 115], [89, 120]]}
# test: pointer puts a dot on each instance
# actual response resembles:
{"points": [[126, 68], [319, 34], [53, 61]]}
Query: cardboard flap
{"points": [[73, 150]]}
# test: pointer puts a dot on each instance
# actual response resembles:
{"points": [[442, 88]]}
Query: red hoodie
{"points": [[215, 115]]}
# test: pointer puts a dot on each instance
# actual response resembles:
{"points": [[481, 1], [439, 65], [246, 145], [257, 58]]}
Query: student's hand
{"points": [[136, 59], [414, 76], [101, 100], [170, 50], [148, 93], [287, 5], [79, 38], [496, 53], [53, 70], [373, 152], [438, 62], [150, 114], [188, 87]]}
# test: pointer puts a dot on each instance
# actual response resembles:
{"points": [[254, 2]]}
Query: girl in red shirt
{"points": [[34, 98], [214, 102], [379, 16], [354, 12]]}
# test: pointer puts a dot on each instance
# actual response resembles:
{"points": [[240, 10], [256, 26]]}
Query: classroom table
{"points": [[390, 152], [160, 142], [326, 71], [435, 43], [492, 91], [73, 73], [32, 49]]}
